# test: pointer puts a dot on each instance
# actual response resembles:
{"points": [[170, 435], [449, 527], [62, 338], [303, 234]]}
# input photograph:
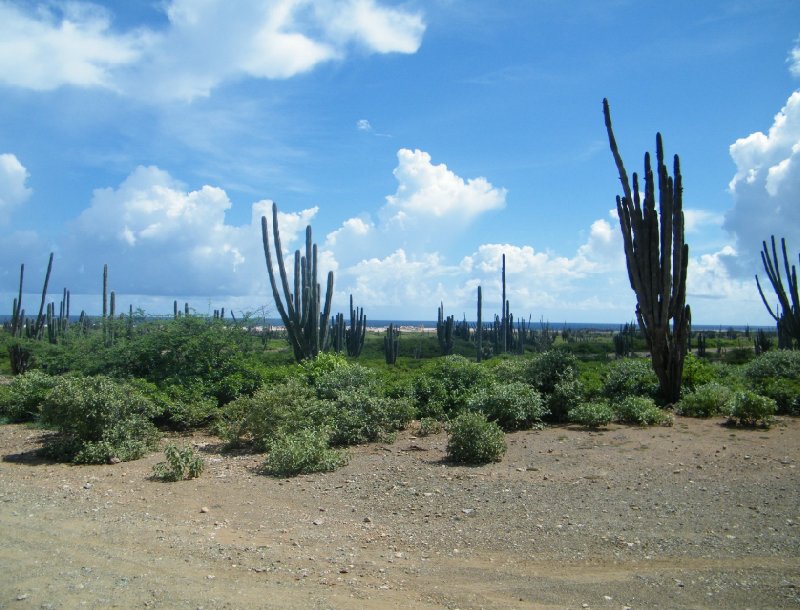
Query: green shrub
{"points": [[274, 409], [359, 417], [325, 362], [630, 377], [592, 414], [475, 440], [25, 394], [640, 411], [707, 400], [182, 463], [302, 452], [697, 372], [549, 368], [345, 378], [445, 386], [776, 374], [514, 406], [566, 395], [751, 409], [428, 426], [512, 369], [99, 420]]}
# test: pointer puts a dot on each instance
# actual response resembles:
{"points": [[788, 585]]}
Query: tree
{"points": [[657, 258]]}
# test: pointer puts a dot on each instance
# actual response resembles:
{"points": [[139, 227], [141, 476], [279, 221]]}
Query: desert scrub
{"points": [[707, 400], [641, 411], [566, 395], [429, 426], [359, 417], [549, 368], [593, 414], [630, 377], [514, 406], [182, 463], [751, 409], [23, 397], [344, 378], [696, 372], [302, 452], [776, 374], [475, 440], [444, 387], [99, 420]]}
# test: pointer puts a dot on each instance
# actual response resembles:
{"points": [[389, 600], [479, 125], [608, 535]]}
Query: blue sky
{"points": [[421, 140]]}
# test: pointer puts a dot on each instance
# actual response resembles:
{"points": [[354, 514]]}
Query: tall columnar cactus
{"points": [[657, 258], [38, 329], [787, 315], [479, 327], [305, 321], [391, 344], [336, 334], [504, 316], [444, 331], [17, 314], [357, 331]]}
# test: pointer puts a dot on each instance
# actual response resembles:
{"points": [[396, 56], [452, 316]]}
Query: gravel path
{"points": [[697, 515]]}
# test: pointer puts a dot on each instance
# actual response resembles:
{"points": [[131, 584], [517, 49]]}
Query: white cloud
{"points": [[766, 187], [205, 43], [794, 60], [363, 125], [695, 220], [44, 49], [13, 188], [428, 192]]}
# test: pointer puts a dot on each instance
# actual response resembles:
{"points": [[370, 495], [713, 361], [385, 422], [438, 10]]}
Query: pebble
{"points": [[204, 509]]}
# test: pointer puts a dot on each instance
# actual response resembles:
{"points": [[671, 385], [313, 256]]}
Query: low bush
{"points": [[344, 378], [751, 409], [776, 374], [592, 414], [428, 426], [359, 417], [514, 406], [566, 395], [99, 420], [630, 377], [182, 463], [23, 397], [707, 400], [697, 372], [641, 411], [475, 440], [552, 367], [302, 452], [445, 386]]}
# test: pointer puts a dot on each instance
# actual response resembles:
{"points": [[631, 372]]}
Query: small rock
{"points": [[318, 521], [87, 485], [467, 511], [367, 520], [204, 509], [22, 596]]}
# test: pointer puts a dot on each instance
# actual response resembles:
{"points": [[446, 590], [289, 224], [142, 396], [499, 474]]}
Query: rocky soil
{"points": [[698, 515]]}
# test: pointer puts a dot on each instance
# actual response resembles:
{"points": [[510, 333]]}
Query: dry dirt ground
{"points": [[697, 515]]}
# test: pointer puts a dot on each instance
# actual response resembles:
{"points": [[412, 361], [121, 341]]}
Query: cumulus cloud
{"points": [[13, 185], [766, 187], [794, 60], [45, 49], [205, 43], [160, 238], [428, 192]]}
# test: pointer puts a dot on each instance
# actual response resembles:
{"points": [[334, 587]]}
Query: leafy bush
{"points": [[566, 395], [514, 369], [707, 400], [641, 411], [446, 385], [302, 452], [274, 409], [697, 372], [182, 463], [549, 368], [475, 440], [514, 406], [359, 417], [345, 378], [630, 377], [25, 394], [751, 409], [592, 414], [324, 362], [428, 426], [99, 420], [776, 374]]}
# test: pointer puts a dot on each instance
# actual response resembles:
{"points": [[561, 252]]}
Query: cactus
{"points": [[40, 318], [391, 344], [787, 316], [479, 327], [306, 323], [444, 332], [16, 313], [357, 331], [504, 317], [657, 259]]}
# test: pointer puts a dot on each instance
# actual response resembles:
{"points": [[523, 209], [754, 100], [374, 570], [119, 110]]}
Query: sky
{"points": [[421, 140]]}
